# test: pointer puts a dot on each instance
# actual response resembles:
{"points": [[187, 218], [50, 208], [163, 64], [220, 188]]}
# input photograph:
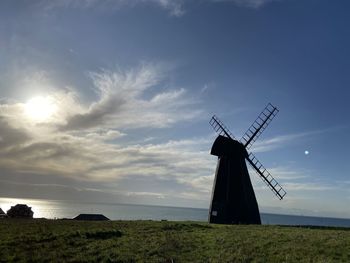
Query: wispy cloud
{"points": [[121, 97], [292, 179], [208, 87], [288, 173], [279, 141], [174, 7], [248, 3], [266, 145], [308, 186]]}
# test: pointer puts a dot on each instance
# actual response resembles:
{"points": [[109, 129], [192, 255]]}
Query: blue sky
{"points": [[110, 100]]}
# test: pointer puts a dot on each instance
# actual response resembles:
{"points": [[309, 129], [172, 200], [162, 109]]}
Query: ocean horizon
{"points": [[61, 209]]}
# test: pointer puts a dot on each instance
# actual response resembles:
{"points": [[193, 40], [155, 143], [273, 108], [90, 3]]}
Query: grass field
{"points": [[153, 241]]}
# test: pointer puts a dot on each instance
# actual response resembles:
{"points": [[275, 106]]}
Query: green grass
{"points": [[154, 241]]}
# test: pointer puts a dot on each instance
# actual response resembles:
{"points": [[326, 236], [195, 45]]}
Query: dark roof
{"points": [[1, 211], [91, 217]]}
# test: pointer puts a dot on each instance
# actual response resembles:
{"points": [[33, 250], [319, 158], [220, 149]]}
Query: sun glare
{"points": [[40, 108]]}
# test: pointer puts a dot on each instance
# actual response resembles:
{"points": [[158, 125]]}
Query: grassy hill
{"points": [[153, 241]]}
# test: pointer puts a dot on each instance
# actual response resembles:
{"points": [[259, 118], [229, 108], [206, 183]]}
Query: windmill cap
{"points": [[224, 146]]}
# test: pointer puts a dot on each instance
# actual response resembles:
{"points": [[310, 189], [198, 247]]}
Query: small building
{"points": [[2, 213], [91, 217], [20, 211]]}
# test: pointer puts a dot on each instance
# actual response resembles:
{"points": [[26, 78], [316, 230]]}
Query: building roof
{"points": [[91, 217], [2, 212]]}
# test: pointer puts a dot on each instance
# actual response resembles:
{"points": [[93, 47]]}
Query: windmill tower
{"points": [[233, 199]]}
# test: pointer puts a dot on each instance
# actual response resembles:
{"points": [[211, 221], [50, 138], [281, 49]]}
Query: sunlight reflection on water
{"points": [[69, 209], [66, 209]]}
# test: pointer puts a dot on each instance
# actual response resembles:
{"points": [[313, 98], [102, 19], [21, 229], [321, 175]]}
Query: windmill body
{"points": [[233, 199]]}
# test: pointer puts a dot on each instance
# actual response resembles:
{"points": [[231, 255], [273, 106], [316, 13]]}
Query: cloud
{"points": [[105, 135], [248, 3], [174, 7], [308, 186], [208, 87], [170, 169], [288, 173], [157, 195], [9, 135], [291, 179], [122, 97], [279, 141], [276, 142]]}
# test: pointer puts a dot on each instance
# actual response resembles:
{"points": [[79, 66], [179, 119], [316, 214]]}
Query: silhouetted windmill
{"points": [[233, 199]]}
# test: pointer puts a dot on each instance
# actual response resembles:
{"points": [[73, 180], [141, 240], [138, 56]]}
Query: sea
{"points": [[56, 209]]}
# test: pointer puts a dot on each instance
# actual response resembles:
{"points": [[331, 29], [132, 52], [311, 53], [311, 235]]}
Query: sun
{"points": [[40, 109]]}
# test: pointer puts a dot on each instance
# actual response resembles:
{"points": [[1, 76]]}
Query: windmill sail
{"points": [[274, 186], [259, 125], [220, 127]]}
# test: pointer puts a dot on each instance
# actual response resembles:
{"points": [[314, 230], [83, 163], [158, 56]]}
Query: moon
{"points": [[306, 152], [40, 109]]}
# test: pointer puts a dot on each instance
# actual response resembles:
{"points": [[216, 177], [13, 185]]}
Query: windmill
{"points": [[233, 199]]}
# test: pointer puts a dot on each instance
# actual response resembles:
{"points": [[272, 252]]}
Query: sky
{"points": [[109, 100]]}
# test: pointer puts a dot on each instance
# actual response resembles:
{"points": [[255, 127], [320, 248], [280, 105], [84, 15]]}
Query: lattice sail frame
{"points": [[259, 125], [263, 120], [220, 127], [271, 182]]}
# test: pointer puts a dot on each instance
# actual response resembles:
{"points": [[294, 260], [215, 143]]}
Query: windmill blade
{"points": [[220, 127], [274, 186], [259, 125]]}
